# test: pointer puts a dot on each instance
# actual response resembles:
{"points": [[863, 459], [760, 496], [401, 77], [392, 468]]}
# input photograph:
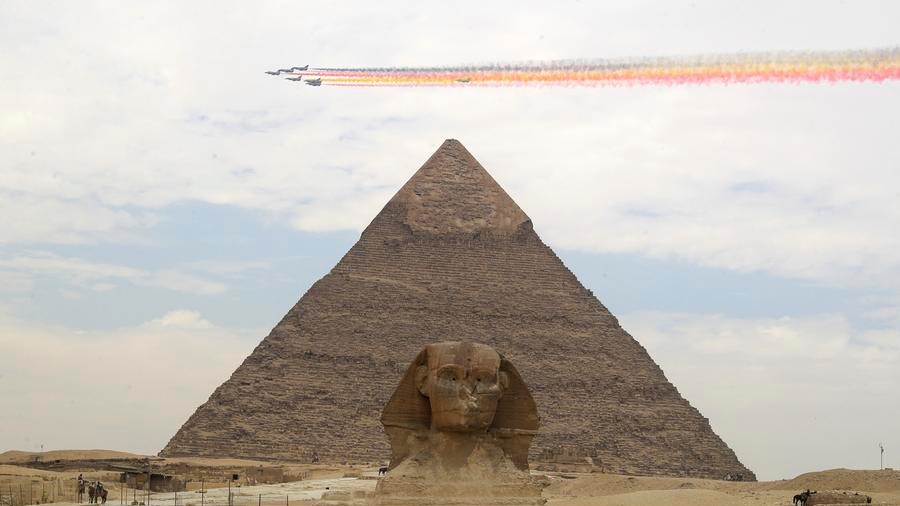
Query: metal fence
{"points": [[25, 490], [31, 490]]}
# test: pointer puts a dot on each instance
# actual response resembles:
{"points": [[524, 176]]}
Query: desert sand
{"points": [[307, 484], [18, 457], [616, 490]]}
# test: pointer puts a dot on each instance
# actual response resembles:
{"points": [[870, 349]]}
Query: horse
{"points": [[92, 493], [801, 498], [382, 470], [102, 495]]}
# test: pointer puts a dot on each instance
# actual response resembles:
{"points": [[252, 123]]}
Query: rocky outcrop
{"points": [[451, 256], [837, 497]]}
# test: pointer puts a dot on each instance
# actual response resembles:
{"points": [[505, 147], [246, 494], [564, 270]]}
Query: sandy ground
{"points": [[267, 495], [564, 489], [16, 456], [573, 489], [279, 494], [569, 489]]}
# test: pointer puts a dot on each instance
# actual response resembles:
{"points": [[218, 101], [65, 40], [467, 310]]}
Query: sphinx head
{"points": [[461, 389], [463, 383]]}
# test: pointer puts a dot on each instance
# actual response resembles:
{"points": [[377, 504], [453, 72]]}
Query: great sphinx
{"points": [[460, 424]]}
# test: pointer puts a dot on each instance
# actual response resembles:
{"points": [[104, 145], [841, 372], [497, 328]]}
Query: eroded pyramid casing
{"points": [[451, 256]]}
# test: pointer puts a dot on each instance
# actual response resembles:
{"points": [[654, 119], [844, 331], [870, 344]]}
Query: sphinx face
{"points": [[463, 383]]}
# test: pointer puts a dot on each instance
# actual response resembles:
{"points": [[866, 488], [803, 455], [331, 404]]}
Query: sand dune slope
{"points": [[650, 497], [842, 479], [19, 457]]}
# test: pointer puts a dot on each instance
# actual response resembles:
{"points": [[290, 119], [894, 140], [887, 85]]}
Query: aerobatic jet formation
{"points": [[864, 65], [286, 71]]}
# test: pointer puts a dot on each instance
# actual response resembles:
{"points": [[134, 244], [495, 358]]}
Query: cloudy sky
{"points": [[163, 202]]}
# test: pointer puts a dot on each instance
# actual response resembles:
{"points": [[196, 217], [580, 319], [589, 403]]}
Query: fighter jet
{"points": [[298, 78], [463, 80], [314, 82], [287, 71]]}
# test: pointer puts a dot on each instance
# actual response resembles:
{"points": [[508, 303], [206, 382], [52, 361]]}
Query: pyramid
{"points": [[452, 257]]}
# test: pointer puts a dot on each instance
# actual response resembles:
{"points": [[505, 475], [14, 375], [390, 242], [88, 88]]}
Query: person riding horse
{"points": [[801, 498], [101, 493]]}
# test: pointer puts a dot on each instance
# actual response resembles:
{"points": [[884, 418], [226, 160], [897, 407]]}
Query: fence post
{"points": [[260, 500]]}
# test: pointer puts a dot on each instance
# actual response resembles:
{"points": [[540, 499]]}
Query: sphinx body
{"points": [[460, 424]]}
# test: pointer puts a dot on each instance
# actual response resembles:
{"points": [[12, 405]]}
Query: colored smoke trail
{"points": [[786, 67]]}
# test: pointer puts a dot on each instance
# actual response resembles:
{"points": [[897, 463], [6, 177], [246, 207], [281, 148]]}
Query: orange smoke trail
{"points": [[877, 65]]}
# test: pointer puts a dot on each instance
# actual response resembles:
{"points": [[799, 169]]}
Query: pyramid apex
{"points": [[453, 194]]}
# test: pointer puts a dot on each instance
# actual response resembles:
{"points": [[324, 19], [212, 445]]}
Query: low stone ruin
{"points": [[837, 497]]}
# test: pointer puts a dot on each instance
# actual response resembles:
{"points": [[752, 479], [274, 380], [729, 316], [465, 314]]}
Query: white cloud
{"points": [[97, 276], [793, 180], [787, 394], [49, 216], [230, 267], [181, 282], [77, 269], [12, 282], [129, 388], [113, 111], [70, 294], [884, 310], [103, 287], [181, 318]]}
